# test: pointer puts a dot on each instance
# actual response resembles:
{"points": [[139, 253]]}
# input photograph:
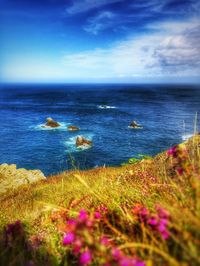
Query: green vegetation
{"points": [[144, 213], [137, 159]]}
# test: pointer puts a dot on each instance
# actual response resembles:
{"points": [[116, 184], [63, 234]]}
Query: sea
{"points": [[168, 115]]}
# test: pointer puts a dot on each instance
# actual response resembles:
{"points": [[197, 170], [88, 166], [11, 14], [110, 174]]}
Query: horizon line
{"points": [[100, 83]]}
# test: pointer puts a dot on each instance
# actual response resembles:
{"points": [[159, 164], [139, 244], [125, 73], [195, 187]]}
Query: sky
{"points": [[130, 41]]}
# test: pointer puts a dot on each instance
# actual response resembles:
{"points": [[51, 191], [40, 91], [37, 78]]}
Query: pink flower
{"points": [[71, 224], [163, 222], [85, 258], [152, 221], [116, 253], [68, 239], [89, 223], [77, 246], [83, 215], [161, 228], [105, 241], [144, 212], [172, 152], [102, 209], [162, 213], [179, 170], [140, 263], [97, 215], [125, 262], [165, 235]]}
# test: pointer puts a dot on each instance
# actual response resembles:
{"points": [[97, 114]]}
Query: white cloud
{"points": [[80, 6], [120, 20], [180, 50], [100, 22], [172, 50]]}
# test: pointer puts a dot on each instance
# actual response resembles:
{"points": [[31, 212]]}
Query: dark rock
{"points": [[134, 124], [73, 128], [51, 123], [81, 141]]}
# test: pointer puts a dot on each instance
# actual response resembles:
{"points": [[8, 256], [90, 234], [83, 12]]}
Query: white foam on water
{"points": [[106, 107], [139, 127], [63, 126], [186, 136]]}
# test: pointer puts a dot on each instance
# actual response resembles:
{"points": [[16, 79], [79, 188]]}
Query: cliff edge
{"points": [[11, 177]]}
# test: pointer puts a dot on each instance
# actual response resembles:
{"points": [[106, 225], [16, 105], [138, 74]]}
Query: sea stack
{"points": [[51, 123], [81, 141], [73, 128], [134, 124]]}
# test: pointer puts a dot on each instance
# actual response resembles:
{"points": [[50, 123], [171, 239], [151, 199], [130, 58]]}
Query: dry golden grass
{"points": [[149, 182]]}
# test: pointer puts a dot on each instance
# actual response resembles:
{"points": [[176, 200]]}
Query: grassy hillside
{"points": [[147, 213]]}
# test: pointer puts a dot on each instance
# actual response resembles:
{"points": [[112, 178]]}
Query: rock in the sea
{"points": [[103, 106], [134, 124], [81, 141], [51, 123], [73, 128], [11, 177]]}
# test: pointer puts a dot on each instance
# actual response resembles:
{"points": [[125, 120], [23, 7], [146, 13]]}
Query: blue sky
{"points": [[100, 41]]}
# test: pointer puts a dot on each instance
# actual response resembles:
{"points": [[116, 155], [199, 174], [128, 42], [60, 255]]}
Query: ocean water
{"points": [[166, 113]]}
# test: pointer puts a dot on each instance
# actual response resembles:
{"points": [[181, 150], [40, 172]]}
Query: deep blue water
{"points": [[160, 109]]}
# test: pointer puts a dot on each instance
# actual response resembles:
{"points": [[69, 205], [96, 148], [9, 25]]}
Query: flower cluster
{"points": [[173, 151], [13, 232], [180, 159], [87, 244], [158, 221], [78, 234], [122, 260], [15, 238]]}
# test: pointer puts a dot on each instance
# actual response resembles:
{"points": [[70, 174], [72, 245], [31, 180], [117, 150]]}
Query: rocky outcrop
{"points": [[134, 124], [81, 141], [51, 123], [11, 177], [73, 128]]}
